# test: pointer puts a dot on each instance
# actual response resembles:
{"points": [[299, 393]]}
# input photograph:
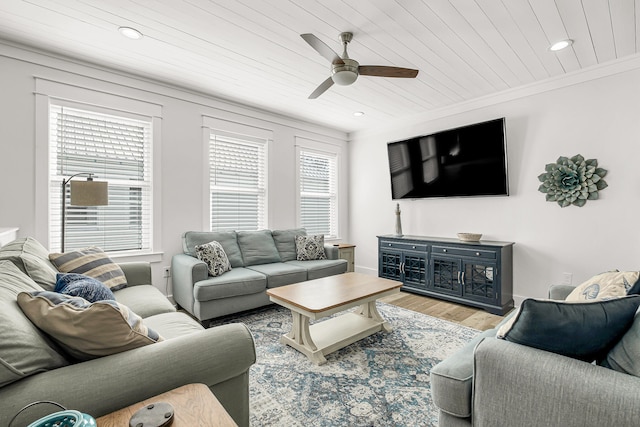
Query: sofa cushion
{"points": [[281, 273], [24, 349], [144, 300], [228, 240], [173, 325], [31, 258], [582, 330], [86, 330], [611, 284], [239, 281], [92, 262], [322, 268], [310, 248], [79, 285], [286, 242], [213, 255], [257, 247], [452, 379]]}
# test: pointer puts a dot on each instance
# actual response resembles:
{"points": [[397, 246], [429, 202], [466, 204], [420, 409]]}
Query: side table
{"points": [[347, 251], [193, 404]]}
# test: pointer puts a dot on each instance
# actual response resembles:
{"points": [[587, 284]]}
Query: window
{"points": [[318, 192], [237, 182], [115, 148]]}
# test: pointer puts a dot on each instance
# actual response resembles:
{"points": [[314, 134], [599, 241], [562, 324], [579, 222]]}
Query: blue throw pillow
{"points": [[585, 331], [79, 285]]}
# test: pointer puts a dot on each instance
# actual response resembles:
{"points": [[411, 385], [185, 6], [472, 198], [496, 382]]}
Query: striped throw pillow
{"points": [[92, 262]]}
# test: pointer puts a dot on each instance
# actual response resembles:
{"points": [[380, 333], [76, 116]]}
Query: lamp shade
{"points": [[89, 193]]}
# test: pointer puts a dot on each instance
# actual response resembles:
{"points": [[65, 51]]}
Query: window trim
{"points": [[213, 125], [327, 149], [47, 91]]}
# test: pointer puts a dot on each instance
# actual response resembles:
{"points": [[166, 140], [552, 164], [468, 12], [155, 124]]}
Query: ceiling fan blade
{"points": [[322, 88], [383, 71], [322, 48]]}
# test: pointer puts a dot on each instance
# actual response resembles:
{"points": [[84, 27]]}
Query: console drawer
{"points": [[465, 252], [406, 246]]}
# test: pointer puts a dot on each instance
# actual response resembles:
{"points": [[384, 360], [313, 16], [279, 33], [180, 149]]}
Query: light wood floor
{"points": [[468, 316]]}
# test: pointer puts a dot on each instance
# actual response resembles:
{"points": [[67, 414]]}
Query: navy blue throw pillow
{"points": [[79, 285], [584, 331]]}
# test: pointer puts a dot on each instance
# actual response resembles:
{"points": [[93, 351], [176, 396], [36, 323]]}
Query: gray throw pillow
{"points": [[310, 248], [213, 255]]}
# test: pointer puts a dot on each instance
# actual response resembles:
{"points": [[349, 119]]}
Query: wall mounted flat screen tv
{"points": [[461, 162]]}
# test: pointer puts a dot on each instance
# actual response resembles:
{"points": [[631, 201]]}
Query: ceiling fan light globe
{"points": [[344, 78]]}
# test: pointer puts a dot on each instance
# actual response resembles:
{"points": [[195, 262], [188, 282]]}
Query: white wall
{"points": [[181, 165], [599, 119]]}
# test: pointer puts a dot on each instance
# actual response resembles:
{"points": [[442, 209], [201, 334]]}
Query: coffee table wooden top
{"points": [[194, 405], [333, 291]]}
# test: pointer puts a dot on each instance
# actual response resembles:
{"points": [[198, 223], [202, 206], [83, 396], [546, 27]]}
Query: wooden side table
{"points": [[347, 251], [194, 405]]}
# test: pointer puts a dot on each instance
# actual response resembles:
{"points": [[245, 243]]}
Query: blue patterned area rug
{"points": [[382, 380]]}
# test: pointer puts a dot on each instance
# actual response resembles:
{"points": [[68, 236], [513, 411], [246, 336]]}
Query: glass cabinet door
{"points": [[415, 270], [480, 281], [445, 275], [391, 265]]}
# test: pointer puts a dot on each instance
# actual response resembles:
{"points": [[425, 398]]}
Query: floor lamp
{"points": [[83, 193]]}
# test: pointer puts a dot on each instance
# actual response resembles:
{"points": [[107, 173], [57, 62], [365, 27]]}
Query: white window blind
{"points": [[237, 182], [116, 149], [318, 193]]}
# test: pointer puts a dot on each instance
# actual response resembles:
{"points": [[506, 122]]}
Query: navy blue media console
{"points": [[478, 274]]}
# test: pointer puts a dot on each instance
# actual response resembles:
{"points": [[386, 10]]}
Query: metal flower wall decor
{"points": [[572, 181]]}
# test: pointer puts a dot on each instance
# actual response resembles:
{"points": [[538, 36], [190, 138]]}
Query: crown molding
{"points": [[595, 72], [139, 83]]}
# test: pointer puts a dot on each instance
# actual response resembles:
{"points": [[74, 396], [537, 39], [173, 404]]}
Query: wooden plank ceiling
{"points": [[250, 51]]}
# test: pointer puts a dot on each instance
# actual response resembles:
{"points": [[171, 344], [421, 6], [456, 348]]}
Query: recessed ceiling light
{"points": [[358, 113], [559, 45], [130, 33]]}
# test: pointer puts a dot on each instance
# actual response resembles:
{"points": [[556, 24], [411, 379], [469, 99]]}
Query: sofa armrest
{"points": [[331, 251], [452, 379], [137, 273], [186, 271], [514, 382], [560, 292], [100, 386]]}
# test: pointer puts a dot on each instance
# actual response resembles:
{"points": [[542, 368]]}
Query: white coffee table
{"points": [[315, 299]]}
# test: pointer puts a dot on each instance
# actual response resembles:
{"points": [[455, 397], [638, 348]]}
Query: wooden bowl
{"points": [[469, 237]]}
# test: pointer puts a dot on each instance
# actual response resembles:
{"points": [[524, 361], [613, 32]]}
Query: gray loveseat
{"points": [[259, 260], [34, 368], [492, 383]]}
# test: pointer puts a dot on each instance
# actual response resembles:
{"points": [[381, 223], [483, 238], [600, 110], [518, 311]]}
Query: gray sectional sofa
{"points": [[259, 260], [492, 382], [33, 367]]}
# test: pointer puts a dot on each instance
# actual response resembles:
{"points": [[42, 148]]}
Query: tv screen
{"points": [[460, 162]]}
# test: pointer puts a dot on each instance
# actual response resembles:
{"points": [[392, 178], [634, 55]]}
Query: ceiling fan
{"points": [[344, 70]]}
